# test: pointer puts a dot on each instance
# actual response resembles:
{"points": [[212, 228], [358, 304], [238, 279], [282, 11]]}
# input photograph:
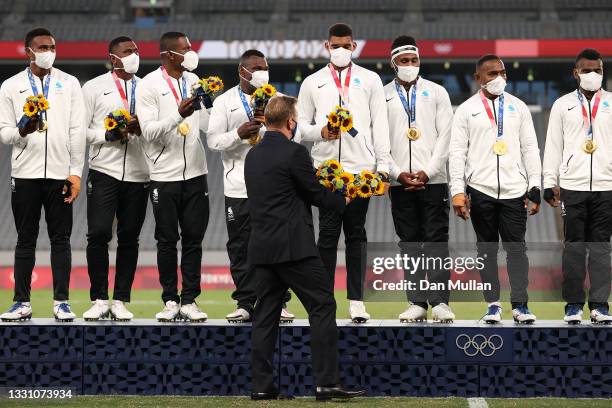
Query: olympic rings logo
{"points": [[471, 346]]}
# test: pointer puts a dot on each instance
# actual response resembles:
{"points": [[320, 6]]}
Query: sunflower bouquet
{"points": [[204, 90], [368, 184], [341, 119], [365, 184], [33, 110], [260, 99], [114, 122]]}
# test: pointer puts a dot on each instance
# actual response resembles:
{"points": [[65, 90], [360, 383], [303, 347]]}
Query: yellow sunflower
{"points": [[366, 174], [364, 191], [122, 112], [30, 108], [347, 124], [333, 120], [334, 164], [380, 189], [43, 104], [347, 177], [110, 123], [269, 90], [352, 191], [326, 184]]}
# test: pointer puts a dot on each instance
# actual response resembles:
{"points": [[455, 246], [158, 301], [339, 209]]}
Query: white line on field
{"points": [[477, 403]]}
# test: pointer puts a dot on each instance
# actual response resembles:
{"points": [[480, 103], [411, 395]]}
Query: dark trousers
{"points": [[238, 222], [352, 220], [493, 218], [587, 224], [27, 198], [108, 198], [184, 204], [308, 280], [421, 223]]}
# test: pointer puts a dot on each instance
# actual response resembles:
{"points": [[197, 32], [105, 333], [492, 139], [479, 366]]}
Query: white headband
{"points": [[404, 49]]}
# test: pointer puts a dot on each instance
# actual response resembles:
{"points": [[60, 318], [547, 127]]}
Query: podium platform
{"points": [[464, 359]]}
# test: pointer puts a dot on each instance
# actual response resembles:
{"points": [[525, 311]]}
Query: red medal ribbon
{"points": [[588, 126], [342, 90], [121, 92], [170, 85], [483, 98]]}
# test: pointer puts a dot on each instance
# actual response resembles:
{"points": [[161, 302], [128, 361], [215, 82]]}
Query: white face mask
{"points": [[407, 73], [496, 86], [130, 63], [258, 78], [190, 60], [340, 57], [591, 81], [44, 59]]}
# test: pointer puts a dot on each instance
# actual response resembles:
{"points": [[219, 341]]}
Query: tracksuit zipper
{"points": [[498, 181], [184, 157], [124, 158], [592, 136], [409, 141], [45, 154], [127, 141], [340, 139], [184, 139]]}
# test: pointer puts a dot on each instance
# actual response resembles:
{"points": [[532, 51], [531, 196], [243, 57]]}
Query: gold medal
{"points": [[500, 148], [43, 127], [413, 134], [183, 128], [589, 146], [254, 140]]}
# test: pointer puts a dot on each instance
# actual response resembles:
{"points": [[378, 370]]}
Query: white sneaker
{"points": [[600, 316], [442, 313], [170, 313], [119, 312], [98, 310], [494, 313], [358, 312], [62, 312], [286, 316], [573, 314], [522, 315], [239, 315], [20, 311], [192, 313], [414, 313]]}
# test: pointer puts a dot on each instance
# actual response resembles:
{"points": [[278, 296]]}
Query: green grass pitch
{"points": [[218, 303]]}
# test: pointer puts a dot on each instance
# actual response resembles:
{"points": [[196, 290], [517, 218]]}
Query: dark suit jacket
{"points": [[282, 186]]}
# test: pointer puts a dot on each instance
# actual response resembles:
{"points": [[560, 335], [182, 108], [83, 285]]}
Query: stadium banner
{"points": [[297, 50], [146, 277]]}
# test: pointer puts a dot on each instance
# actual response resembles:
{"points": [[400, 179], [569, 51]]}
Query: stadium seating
{"points": [[309, 19]]}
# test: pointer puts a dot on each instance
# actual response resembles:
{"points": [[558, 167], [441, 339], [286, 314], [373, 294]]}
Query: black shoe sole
{"points": [[593, 321], [21, 319], [525, 322], [337, 397]]}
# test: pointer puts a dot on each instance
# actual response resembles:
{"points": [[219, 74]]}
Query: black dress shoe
{"points": [[327, 393], [262, 396]]}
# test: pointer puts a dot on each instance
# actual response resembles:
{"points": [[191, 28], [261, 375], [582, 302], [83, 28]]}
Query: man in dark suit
{"points": [[282, 186]]}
